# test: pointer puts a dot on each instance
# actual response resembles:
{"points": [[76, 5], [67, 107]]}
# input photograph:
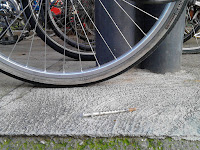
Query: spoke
{"points": [[115, 23], [58, 19], [188, 11], [85, 34], [78, 43], [21, 34], [195, 36], [130, 18], [63, 24], [197, 3], [65, 30], [68, 31], [7, 24], [34, 30], [186, 31], [45, 38], [156, 18], [97, 30]]}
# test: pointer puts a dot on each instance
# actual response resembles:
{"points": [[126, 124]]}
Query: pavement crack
{"points": [[15, 94], [11, 91]]}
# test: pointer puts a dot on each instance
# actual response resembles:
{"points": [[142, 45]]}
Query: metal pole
{"points": [[167, 57]]}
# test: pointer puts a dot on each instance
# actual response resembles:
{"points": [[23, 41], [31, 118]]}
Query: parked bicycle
{"points": [[9, 9], [192, 33]]}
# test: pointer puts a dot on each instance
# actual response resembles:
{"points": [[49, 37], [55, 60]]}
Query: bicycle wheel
{"points": [[57, 23], [56, 42], [191, 36], [34, 61]]}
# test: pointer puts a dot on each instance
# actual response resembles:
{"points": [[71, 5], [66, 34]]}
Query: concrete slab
{"points": [[8, 85], [167, 106]]}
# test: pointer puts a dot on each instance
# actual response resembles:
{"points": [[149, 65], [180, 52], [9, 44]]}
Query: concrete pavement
{"points": [[167, 106]]}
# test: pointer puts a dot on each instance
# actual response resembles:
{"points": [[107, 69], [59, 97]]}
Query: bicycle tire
{"points": [[191, 51], [139, 51]]}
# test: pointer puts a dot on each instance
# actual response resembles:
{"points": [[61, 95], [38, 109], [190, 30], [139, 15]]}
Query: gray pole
{"points": [[167, 57]]}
